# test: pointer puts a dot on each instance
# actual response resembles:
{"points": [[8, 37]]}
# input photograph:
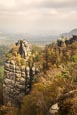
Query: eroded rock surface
{"points": [[17, 79]]}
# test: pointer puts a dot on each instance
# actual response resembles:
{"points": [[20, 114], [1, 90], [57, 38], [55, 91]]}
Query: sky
{"points": [[38, 16]]}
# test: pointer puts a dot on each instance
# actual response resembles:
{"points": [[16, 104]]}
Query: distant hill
{"points": [[69, 34]]}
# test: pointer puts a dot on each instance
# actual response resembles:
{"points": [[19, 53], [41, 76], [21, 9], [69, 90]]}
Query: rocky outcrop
{"points": [[66, 41], [54, 109], [17, 79], [24, 49]]}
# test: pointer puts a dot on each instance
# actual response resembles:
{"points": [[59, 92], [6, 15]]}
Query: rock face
{"points": [[17, 79]]}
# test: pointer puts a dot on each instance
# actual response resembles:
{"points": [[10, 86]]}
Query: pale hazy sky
{"points": [[38, 16]]}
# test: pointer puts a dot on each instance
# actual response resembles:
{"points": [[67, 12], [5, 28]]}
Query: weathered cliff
{"points": [[17, 78]]}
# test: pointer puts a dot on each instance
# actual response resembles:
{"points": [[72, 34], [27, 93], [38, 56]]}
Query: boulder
{"points": [[54, 109]]}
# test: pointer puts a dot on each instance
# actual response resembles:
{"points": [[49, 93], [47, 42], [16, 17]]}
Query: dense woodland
{"points": [[3, 52], [55, 83]]}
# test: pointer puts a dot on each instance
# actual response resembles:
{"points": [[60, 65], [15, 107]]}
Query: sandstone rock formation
{"points": [[66, 41], [17, 79]]}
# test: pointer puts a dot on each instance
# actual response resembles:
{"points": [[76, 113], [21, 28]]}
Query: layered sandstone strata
{"points": [[17, 79]]}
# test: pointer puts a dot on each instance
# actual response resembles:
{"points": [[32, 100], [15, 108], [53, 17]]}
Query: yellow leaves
{"points": [[39, 87], [14, 53], [17, 60], [15, 48], [33, 55], [74, 57], [29, 53], [10, 111], [34, 104], [9, 56], [69, 106], [22, 61]]}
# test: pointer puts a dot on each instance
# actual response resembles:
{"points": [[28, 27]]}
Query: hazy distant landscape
{"points": [[9, 38]]}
